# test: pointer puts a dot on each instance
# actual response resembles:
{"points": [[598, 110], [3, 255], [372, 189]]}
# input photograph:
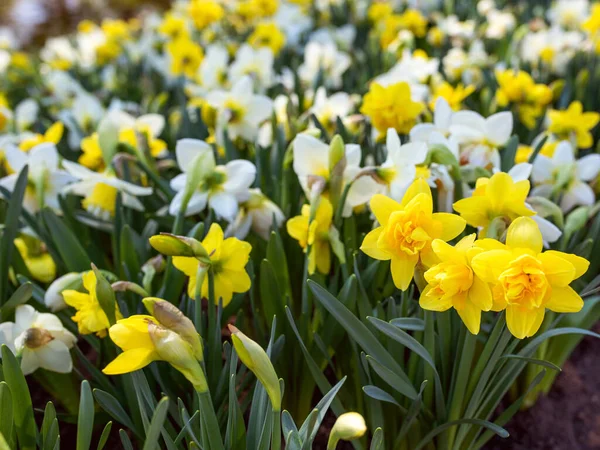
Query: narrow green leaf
{"points": [[390, 377], [156, 424], [409, 323], [3, 443], [71, 251], [538, 362], [377, 441], [125, 440], [112, 406], [85, 419], [49, 416], [481, 423], [379, 394], [104, 436], [20, 296], [509, 153], [6, 412]]}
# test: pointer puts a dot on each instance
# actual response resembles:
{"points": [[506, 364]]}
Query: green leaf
{"points": [[361, 334], [377, 441], [539, 362], [308, 430], [70, 249], [125, 440], [20, 296], [276, 256], [439, 429], [85, 419], [390, 377], [49, 416], [11, 228], [156, 424], [6, 412], [106, 296], [409, 323], [104, 436], [379, 394], [3, 443], [112, 406], [22, 407], [509, 153]]}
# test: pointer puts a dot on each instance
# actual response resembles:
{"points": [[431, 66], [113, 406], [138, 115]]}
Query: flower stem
{"points": [[276, 431]]}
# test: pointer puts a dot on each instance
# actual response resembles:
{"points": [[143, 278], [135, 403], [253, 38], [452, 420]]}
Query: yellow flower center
{"points": [[236, 111], [101, 202], [524, 283], [404, 233], [449, 279]]}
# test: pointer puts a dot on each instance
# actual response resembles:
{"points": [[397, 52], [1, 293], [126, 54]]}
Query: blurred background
{"points": [[31, 21]]}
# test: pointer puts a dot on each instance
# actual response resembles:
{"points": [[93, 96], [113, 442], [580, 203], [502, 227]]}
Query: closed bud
{"points": [[170, 245], [337, 152], [347, 427], [576, 220], [256, 359], [547, 208], [53, 298], [106, 296], [169, 316]]}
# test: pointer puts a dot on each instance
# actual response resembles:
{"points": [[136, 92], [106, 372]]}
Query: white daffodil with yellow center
{"points": [[259, 214], [256, 63], [100, 190], [240, 111], [45, 179], [149, 125], [40, 339], [562, 174], [203, 182]]}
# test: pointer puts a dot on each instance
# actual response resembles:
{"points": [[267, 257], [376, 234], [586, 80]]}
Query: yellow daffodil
{"points": [[592, 24], [411, 20], [269, 35], [498, 196], [524, 152], [314, 234], [157, 147], [228, 259], [205, 12], [391, 107], [185, 56], [38, 261], [573, 122], [52, 135], [174, 27], [91, 156], [528, 281], [518, 88], [115, 29], [453, 95], [379, 11], [407, 230], [452, 284], [90, 317]]}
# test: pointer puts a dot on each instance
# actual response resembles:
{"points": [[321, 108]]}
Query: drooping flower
{"points": [[574, 124], [452, 284], [407, 230], [527, 281], [40, 339], [228, 259], [89, 316], [259, 214], [314, 234], [36, 257]]}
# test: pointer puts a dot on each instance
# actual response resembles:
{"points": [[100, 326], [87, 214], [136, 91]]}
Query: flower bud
{"points": [[106, 296], [170, 245], [347, 427], [547, 208], [257, 360], [53, 298], [576, 220], [172, 348], [172, 318], [123, 286]]}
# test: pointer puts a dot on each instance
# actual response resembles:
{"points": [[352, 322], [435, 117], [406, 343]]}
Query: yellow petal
{"points": [[581, 264], [466, 243], [234, 254], [452, 225], [434, 303], [54, 133], [297, 227], [89, 281], [525, 233], [240, 281], [428, 257], [559, 271], [324, 214], [419, 186], [130, 361], [565, 300], [480, 294], [132, 332], [383, 206], [522, 322], [223, 288], [186, 264], [471, 317], [370, 247], [490, 264], [474, 210], [75, 299], [403, 269], [213, 240], [323, 256]]}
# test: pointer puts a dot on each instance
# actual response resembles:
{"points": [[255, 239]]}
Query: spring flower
{"points": [[45, 179], [254, 63], [406, 231], [228, 259], [438, 131], [239, 110], [452, 284], [185, 57], [150, 126], [480, 138], [524, 152], [221, 187], [40, 339], [527, 281], [205, 12], [89, 316], [453, 95], [569, 14], [400, 168], [144, 340], [99, 191], [36, 257], [52, 135], [348, 427], [258, 214], [324, 58], [174, 27], [379, 10], [213, 69], [574, 124], [328, 109], [518, 88], [562, 173], [53, 297], [391, 107], [314, 234], [592, 24], [269, 35]]}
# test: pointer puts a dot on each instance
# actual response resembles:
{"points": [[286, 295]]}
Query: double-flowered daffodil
{"points": [[452, 283], [90, 317], [407, 230], [228, 259], [527, 281]]}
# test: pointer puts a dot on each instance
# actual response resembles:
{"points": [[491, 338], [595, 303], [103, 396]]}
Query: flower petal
{"points": [[452, 225], [522, 322], [130, 361], [565, 300], [524, 232], [383, 206], [403, 269], [370, 247]]}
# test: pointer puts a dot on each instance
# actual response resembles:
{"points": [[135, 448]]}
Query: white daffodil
{"points": [[202, 182], [26, 113], [569, 14], [40, 339], [256, 63], [324, 58], [500, 23], [149, 123], [100, 190], [45, 179], [311, 164], [240, 111], [213, 69], [442, 118], [480, 138], [399, 170], [53, 298], [553, 48], [410, 68], [328, 109], [292, 20], [58, 52], [87, 111], [562, 174], [258, 214]]}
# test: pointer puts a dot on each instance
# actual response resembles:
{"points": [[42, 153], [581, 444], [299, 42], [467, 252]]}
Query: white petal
{"points": [[498, 127], [421, 132], [49, 322], [240, 175], [259, 109], [411, 153], [29, 361], [542, 169], [187, 149], [469, 119], [588, 167], [44, 154], [225, 205], [443, 114], [578, 194], [520, 171], [392, 141], [25, 316], [310, 155], [178, 182], [7, 336], [550, 232], [15, 158], [55, 356], [155, 122], [242, 88], [563, 154], [353, 155], [78, 170]]}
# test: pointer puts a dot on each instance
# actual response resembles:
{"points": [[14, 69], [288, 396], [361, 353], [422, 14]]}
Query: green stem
{"points": [[209, 422], [276, 431]]}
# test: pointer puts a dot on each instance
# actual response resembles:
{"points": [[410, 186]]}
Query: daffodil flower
{"points": [[52, 135], [228, 259], [40, 339], [328, 109], [407, 230], [325, 58], [563, 174], [150, 125], [527, 281], [45, 180], [89, 316], [452, 284], [314, 234], [256, 63], [203, 182], [573, 124], [36, 257], [259, 214], [213, 70], [99, 191]]}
